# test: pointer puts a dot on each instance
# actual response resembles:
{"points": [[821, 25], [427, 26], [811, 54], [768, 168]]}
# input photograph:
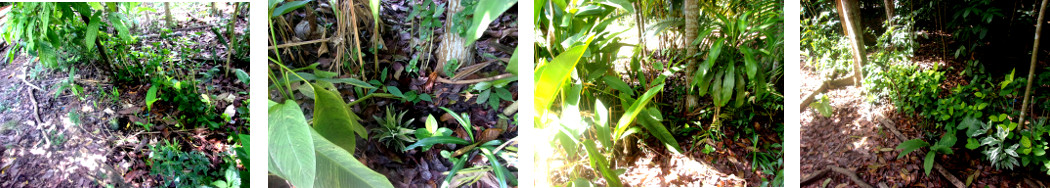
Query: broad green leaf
{"points": [[333, 120], [243, 76], [972, 143], [483, 97], [430, 141], [618, 84], [338, 168], [484, 13], [291, 151], [620, 4], [289, 7], [636, 107], [910, 145], [431, 124], [749, 63], [549, 77], [602, 114], [598, 161], [727, 87], [658, 130], [151, 96], [92, 33], [395, 91]]}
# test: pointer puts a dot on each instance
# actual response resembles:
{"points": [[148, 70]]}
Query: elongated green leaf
{"points": [[484, 13], [550, 76], [636, 107], [928, 162], [338, 168], [498, 169], [602, 114], [151, 97], [618, 84], [598, 161], [92, 33], [512, 66], [395, 91], [658, 130], [430, 141], [289, 7], [726, 91], [351, 81], [291, 150], [431, 124], [749, 63], [333, 120], [243, 76], [463, 120], [910, 145]]}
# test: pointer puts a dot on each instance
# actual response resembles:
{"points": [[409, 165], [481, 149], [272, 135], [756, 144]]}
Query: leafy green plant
{"points": [[486, 144], [943, 146], [178, 168], [392, 131], [492, 93]]}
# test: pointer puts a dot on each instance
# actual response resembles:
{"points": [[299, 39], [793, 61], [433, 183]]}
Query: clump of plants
{"points": [[391, 131], [179, 168]]}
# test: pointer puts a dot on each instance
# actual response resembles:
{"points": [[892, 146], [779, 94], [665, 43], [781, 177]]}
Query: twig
{"points": [[285, 45], [502, 76], [848, 173]]}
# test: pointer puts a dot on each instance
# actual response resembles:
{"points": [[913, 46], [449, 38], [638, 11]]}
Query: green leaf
{"points": [[512, 66], [928, 163], [636, 107], [658, 130], [333, 121], [1027, 143], [338, 168], [425, 97], [92, 33], [499, 169], [431, 124], [550, 76], [618, 84], [243, 76], [463, 120], [598, 161], [289, 7], [437, 140], [504, 94], [151, 96], [972, 143], [727, 87], [484, 13], [395, 91], [483, 97], [291, 152], [910, 145]]}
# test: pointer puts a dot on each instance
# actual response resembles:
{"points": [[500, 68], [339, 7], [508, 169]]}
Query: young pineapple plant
{"points": [[392, 131]]}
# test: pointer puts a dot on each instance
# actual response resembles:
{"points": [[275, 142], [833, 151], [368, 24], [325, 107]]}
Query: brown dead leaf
{"points": [[490, 134]]}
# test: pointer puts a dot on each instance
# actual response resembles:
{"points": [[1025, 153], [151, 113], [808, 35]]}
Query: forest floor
{"points": [[857, 137], [90, 140], [399, 40]]}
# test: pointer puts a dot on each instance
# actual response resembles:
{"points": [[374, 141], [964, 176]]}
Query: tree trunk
{"points": [[691, 12], [848, 12], [108, 66], [167, 15], [452, 45], [888, 4], [1031, 69], [229, 29]]}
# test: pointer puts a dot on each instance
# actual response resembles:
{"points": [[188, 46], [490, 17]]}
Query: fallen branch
{"points": [[36, 114], [497, 77], [285, 45], [947, 175], [848, 173], [180, 31], [827, 85]]}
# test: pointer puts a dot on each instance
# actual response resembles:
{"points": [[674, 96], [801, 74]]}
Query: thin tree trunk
{"points": [[229, 29], [850, 15], [167, 15], [1031, 69], [691, 11], [888, 4]]}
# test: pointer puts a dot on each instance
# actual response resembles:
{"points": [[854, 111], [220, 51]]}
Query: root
{"points": [[827, 85], [848, 173], [497, 77]]}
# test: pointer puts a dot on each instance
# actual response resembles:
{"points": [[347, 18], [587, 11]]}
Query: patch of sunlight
{"points": [[860, 143]]}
